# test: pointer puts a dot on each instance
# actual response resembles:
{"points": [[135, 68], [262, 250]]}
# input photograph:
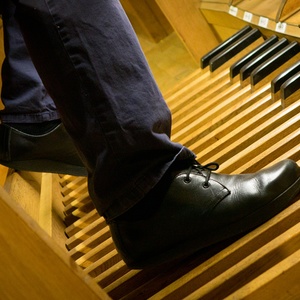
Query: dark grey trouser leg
{"points": [[92, 65], [23, 93]]}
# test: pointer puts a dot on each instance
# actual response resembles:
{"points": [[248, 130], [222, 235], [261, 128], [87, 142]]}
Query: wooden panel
{"points": [[267, 15], [32, 266], [287, 9], [190, 26], [3, 174], [266, 8], [278, 283], [222, 18], [45, 211], [147, 16]]}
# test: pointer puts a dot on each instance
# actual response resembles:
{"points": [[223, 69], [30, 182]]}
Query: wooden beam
{"points": [[45, 212], [190, 25], [287, 9], [3, 174], [32, 266], [147, 16]]}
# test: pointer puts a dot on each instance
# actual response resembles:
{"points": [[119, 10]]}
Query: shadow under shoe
{"points": [[52, 152], [200, 209]]}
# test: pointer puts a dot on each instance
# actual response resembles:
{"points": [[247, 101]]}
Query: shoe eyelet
{"points": [[205, 185], [187, 180]]}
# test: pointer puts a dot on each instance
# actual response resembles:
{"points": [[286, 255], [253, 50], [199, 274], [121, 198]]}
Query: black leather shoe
{"points": [[201, 208], [53, 152]]}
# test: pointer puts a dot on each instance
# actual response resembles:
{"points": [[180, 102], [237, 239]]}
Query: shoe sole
{"points": [[246, 225], [46, 166]]}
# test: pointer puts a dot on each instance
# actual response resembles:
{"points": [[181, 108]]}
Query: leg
{"points": [[30, 121], [159, 203], [106, 96], [23, 93]]}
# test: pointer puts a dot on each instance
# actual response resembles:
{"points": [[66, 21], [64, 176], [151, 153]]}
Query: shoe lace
{"points": [[200, 168]]}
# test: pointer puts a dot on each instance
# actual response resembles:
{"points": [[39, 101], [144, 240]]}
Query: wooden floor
{"points": [[169, 61]]}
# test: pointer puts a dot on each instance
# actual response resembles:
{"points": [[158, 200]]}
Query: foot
{"points": [[200, 208], [51, 152]]}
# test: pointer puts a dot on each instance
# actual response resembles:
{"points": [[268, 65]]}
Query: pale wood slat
{"points": [[73, 185], [81, 223], [184, 82], [90, 243], [196, 88], [224, 133], [245, 135], [45, 211], [77, 203], [232, 255], [86, 232], [251, 266], [217, 112], [96, 253], [289, 146], [65, 179], [71, 196], [195, 108], [279, 282], [208, 83], [261, 144]]}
